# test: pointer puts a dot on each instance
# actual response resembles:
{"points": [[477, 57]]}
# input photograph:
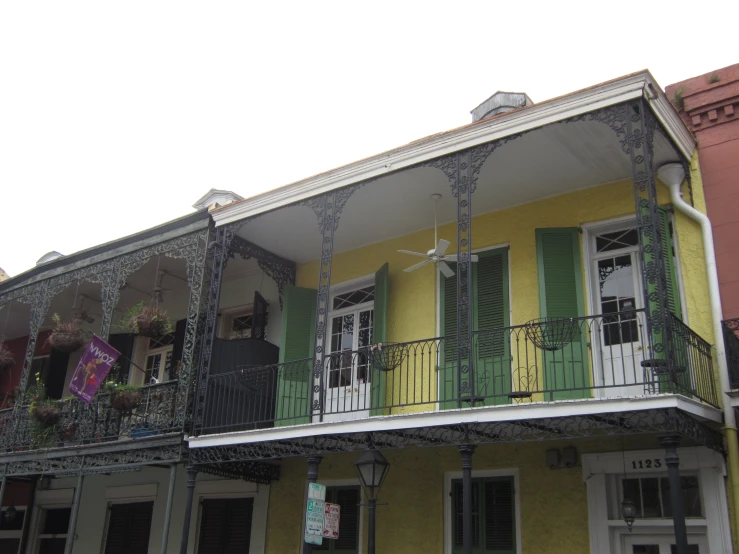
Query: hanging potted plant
{"points": [[6, 357], [66, 336], [125, 398], [148, 320]]}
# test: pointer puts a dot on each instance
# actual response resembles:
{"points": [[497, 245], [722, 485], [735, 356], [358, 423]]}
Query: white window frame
{"points": [[450, 476], [591, 230], [141, 353], [126, 499], [606, 534], [228, 488]]}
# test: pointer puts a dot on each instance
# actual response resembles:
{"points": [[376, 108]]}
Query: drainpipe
{"points": [[673, 175]]}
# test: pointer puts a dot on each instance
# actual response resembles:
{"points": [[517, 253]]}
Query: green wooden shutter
{"points": [[448, 379], [668, 255], [225, 526], [560, 295], [493, 513], [129, 527], [379, 335], [490, 307], [296, 345], [493, 360]]}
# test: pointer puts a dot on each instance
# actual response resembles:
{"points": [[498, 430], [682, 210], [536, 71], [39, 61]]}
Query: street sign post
{"points": [[316, 491]]}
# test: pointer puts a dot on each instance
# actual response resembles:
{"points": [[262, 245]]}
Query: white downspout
{"points": [[673, 175]]}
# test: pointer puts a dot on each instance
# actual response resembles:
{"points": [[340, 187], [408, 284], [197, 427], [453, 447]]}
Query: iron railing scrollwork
{"points": [[731, 345]]}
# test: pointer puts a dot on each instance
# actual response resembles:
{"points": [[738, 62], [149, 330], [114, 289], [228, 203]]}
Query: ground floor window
{"points": [[225, 525], [348, 542], [54, 525], [129, 526], [12, 520], [493, 516]]}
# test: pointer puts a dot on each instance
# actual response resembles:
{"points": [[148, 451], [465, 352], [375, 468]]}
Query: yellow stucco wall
{"points": [[413, 297], [553, 503]]}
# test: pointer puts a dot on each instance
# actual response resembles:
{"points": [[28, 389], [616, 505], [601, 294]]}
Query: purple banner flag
{"points": [[94, 366]]}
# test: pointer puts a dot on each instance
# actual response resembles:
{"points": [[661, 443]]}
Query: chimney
{"points": [[500, 102], [215, 198]]}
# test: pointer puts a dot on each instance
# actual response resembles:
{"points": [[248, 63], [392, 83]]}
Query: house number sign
{"points": [[647, 463]]}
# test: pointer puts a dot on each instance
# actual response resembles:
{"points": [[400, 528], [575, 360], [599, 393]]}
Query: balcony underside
{"points": [[669, 414]]}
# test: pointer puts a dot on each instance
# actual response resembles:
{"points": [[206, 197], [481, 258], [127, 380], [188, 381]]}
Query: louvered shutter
{"points": [[492, 349], [449, 376], [499, 517], [259, 317], [348, 541], [225, 526], [560, 295], [178, 345], [129, 527], [297, 343], [123, 342], [379, 335], [668, 256]]}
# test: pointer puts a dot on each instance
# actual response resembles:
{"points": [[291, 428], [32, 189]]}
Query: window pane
{"points": [[16, 524], [10, 545], [691, 497], [632, 492], [56, 521], [645, 549], [616, 240], [692, 549], [52, 546], [651, 497]]}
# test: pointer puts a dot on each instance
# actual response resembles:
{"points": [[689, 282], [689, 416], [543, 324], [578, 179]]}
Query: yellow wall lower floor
{"points": [[553, 503]]}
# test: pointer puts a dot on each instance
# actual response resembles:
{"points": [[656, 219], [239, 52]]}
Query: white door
{"points": [[618, 337], [347, 375], [662, 544]]}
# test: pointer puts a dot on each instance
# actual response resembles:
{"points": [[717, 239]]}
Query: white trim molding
{"points": [[600, 470]]}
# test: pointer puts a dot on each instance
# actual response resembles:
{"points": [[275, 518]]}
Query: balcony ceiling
{"points": [[545, 162]]}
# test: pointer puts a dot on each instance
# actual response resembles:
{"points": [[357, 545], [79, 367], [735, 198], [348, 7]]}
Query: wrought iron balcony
{"points": [[98, 422], [603, 356], [731, 345]]}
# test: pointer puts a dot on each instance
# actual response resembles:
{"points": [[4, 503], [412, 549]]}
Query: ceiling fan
{"points": [[437, 254]]}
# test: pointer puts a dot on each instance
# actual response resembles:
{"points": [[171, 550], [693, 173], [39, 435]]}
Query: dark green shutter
{"points": [[348, 542], [225, 526], [493, 515], [296, 343], [129, 527], [178, 345], [379, 335], [490, 311], [560, 295], [668, 256]]}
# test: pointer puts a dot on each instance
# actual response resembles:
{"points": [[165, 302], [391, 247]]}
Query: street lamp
{"points": [[628, 512], [372, 468]]}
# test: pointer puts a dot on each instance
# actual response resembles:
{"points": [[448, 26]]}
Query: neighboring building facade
{"points": [[535, 367]]}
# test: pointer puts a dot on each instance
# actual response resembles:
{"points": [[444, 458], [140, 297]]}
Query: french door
{"points": [[347, 376], [619, 337]]}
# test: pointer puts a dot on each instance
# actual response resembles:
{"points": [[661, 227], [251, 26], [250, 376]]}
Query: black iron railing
{"points": [[80, 423], [731, 345], [548, 360]]}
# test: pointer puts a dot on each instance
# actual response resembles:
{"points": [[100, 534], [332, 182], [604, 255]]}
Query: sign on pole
{"points": [[316, 491], [331, 514], [314, 518]]}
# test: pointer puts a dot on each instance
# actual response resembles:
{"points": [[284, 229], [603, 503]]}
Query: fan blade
{"points": [[413, 253], [415, 267], [453, 258], [446, 270], [441, 247]]}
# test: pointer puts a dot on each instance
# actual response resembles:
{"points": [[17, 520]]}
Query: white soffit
{"points": [[565, 107]]}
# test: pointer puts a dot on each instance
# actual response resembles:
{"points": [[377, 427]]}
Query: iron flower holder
{"points": [[387, 356], [551, 333]]}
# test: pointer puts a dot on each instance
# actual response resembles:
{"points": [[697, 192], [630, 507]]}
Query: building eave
{"points": [[577, 103]]}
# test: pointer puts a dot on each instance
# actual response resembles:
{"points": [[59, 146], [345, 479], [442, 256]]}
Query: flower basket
{"points": [[6, 358], [388, 356], [253, 379], [67, 431], [126, 400], [47, 414], [150, 322], [552, 333], [67, 341]]}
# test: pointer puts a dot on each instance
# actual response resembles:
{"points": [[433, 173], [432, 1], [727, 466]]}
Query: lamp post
{"points": [[372, 468]]}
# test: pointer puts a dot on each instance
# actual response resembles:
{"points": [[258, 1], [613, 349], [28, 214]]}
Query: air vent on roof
{"points": [[215, 198], [500, 102]]}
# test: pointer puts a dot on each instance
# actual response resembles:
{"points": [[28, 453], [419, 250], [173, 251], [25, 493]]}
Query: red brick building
{"points": [[709, 105]]}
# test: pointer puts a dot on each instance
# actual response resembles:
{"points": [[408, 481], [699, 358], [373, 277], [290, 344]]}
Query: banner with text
{"points": [[96, 362]]}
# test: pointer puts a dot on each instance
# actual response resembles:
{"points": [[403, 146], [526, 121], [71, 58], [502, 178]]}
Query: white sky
{"points": [[117, 116]]}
